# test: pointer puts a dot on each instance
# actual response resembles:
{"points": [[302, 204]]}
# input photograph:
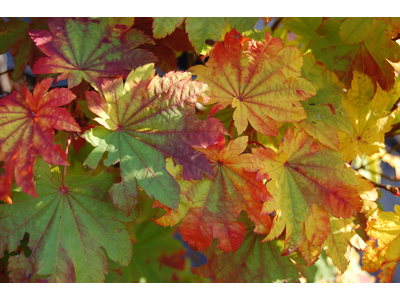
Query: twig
{"points": [[393, 189], [391, 178], [276, 24], [257, 143]]}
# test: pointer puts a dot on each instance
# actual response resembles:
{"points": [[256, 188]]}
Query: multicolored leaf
{"points": [[26, 130], [90, 48], [214, 205], [14, 36], [325, 111], [383, 250], [68, 226], [368, 116], [145, 120], [259, 79], [254, 261], [303, 174], [369, 56]]}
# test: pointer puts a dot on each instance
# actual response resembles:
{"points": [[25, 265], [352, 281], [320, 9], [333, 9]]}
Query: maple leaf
{"points": [[26, 123], [167, 48], [83, 48], [68, 225], [303, 28], [369, 56], [14, 36], [305, 173], [252, 262], [156, 257], [325, 111], [338, 244], [214, 205], [368, 117], [382, 251], [145, 120], [163, 26], [259, 79]]}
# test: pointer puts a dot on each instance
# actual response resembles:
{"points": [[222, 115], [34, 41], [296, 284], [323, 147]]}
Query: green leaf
{"points": [[254, 261], [163, 26], [147, 119], [68, 226], [356, 30], [303, 28]]}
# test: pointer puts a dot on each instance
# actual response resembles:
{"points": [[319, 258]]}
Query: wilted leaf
{"points": [[26, 130]]}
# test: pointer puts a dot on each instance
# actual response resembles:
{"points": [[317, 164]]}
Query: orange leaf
{"points": [[26, 123]]}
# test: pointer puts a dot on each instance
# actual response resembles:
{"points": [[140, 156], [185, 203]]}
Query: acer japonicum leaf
{"points": [[383, 249], [14, 36], [369, 56], [325, 111], [90, 48], [340, 239], [145, 120], [259, 79], [156, 257], [166, 48], [369, 118], [304, 174], [68, 226], [214, 204], [254, 261], [26, 130], [303, 28]]}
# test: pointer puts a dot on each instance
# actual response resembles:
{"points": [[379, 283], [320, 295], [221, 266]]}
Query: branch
{"points": [[391, 178], [393, 189]]}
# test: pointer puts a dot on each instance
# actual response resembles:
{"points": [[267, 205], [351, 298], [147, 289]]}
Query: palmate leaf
{"points": [[14, 36], [213, 206], [308, 180], [326, 113], [156, 257], [145, 120], [90, 48], [383, 250], [369, 56], [26, 130], [254, 261], [163, 26], [259, 79], [68, 225], [368, 116]]}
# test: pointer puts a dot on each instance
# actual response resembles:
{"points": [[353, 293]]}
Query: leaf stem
{"points": [[231, 128], [257, 143], [66, 155]]}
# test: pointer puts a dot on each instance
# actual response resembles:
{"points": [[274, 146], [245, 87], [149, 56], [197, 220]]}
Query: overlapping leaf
{"points": [[368, 56], [14, 36], [26, 130], [259, 79], [383, 250], [252, 262], [83, 48], [214, 205], [369, 118], [68, 226], [305, 174], [325, 111], [145, 120], [157, 257]]}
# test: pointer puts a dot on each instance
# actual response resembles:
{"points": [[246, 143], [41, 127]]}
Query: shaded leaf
{"points": [[68, 225], [252, 262], [26, 130], [145, 120], [83, 48], [259, 79], [214, 205]]}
